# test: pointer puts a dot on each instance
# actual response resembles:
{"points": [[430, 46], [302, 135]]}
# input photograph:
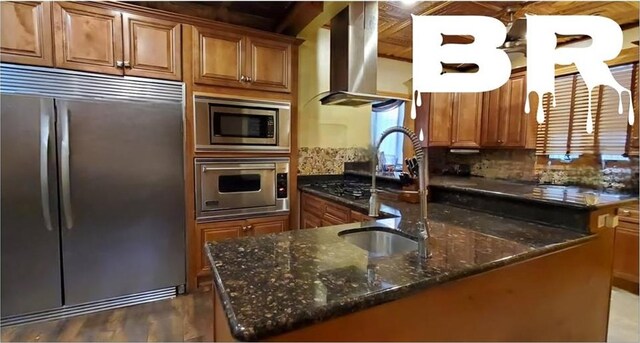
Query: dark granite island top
{"points": [[566, 196], [269, 285]]}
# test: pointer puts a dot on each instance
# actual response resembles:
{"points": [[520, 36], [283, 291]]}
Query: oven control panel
{"points": [[281, 185]]}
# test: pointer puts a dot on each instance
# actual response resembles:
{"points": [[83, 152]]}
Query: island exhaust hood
{"points": [[354, 58]]}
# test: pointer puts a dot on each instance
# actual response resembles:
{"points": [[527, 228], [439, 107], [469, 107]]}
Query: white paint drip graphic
{"points": [[543, 55], [495, 67]]}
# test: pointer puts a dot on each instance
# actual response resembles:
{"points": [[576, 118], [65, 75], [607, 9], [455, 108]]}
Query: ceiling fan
{"points": [[516, 34]]}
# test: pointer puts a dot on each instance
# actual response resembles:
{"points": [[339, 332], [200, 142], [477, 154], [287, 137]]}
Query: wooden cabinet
{"points": [[317, 213], [87, 38], [107, 41], [216, 231], [268, 64], [440, 113], [219, 57], [503, 120], [309, 220], [454, 119], [357, 217], [265, 226], [235, 60], [625, 250], [152, 47], [493, 119], [467, 114], [25, 32]]}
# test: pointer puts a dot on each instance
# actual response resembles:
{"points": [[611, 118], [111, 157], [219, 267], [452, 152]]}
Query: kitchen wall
{"points": [[328, 136], [524, 165]]}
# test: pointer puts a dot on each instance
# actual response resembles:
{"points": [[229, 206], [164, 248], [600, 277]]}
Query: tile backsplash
{"points": [[324, 161], [524, 165]]}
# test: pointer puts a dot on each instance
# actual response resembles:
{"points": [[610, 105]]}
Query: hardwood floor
{"points": [[187, 318]]}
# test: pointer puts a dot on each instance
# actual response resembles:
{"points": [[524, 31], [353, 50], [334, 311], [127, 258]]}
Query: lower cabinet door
{"points": [[265, 226], [210, 232], [625, 250], [310, 221]]}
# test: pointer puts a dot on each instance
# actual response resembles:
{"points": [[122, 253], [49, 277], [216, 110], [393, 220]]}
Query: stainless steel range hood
{"points": [[354, 58]]}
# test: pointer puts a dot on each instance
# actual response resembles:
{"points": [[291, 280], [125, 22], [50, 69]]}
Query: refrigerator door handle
{"points": [[64, 167], [45, 130]]}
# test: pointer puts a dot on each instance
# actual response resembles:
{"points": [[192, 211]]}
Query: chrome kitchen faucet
{"points": [[423, 175]]}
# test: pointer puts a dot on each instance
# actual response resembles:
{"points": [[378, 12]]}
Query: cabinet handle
{"points": [[127, 64], [119, 64], [625, 212]]}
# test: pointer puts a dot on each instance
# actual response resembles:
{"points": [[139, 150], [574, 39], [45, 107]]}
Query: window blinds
{"points": [[612, 135], [565, 128]]}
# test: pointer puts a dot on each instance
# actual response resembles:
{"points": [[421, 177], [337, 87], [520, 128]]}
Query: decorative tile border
{"points": [[323, 161], [521, 165]]}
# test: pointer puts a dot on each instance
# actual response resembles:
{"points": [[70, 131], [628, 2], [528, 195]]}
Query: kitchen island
{"points": [[489, 278]]}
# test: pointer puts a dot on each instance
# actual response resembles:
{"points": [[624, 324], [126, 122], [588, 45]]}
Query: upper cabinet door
{"points": [[440, 112], [493, 116], [87, 38], [514, 130], [151, 47], [218, 57], [268, 64], [26, 33], [467, 114]]}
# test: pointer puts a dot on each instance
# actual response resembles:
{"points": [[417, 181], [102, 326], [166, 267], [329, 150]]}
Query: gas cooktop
{"points": [[354, 190]]}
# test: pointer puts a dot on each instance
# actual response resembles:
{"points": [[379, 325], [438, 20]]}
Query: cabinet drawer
{"points": [[628, 214], [329, 220], [357, 217], [313, 205], [340, 213]]}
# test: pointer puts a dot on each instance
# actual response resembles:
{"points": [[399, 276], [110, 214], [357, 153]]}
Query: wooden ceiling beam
{"points": [[299, 16]]}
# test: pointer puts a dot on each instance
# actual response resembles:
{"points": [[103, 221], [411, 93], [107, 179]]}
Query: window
{"points": [[392, 145], [564, 131]]}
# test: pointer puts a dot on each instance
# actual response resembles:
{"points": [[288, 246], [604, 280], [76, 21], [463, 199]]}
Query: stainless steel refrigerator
{"points": [[92, 191]]}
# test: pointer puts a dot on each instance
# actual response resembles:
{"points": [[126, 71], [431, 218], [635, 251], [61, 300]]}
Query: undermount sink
{"points": [[379, 241]]}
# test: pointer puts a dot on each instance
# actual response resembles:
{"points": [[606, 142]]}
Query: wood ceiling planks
{"points": [[394, 23]]}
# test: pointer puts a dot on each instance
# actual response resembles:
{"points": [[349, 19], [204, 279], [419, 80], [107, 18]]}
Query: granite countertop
{"points": [[273, 284], [568, 196]]}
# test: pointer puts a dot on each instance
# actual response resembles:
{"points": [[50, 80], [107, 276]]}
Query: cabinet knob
{"points": [[250, 227], [500, 141], [249, 79], [625, 212], [127, 64], [243, 78], [119, 64], [244, 228]]}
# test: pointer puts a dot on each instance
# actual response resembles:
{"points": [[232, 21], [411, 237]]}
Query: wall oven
{"points": [[223, 124], [230, 187]]}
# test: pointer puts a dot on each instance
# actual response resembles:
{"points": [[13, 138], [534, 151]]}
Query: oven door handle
{"points": [[207, 169]]}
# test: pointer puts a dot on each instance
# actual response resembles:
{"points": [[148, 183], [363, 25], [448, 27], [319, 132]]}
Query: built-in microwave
{"points": [[230, 186], [248, 125]]}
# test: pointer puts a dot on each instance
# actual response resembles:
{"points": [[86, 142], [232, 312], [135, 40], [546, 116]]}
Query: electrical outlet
{"points": [[602, 219], [612, 221]]}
